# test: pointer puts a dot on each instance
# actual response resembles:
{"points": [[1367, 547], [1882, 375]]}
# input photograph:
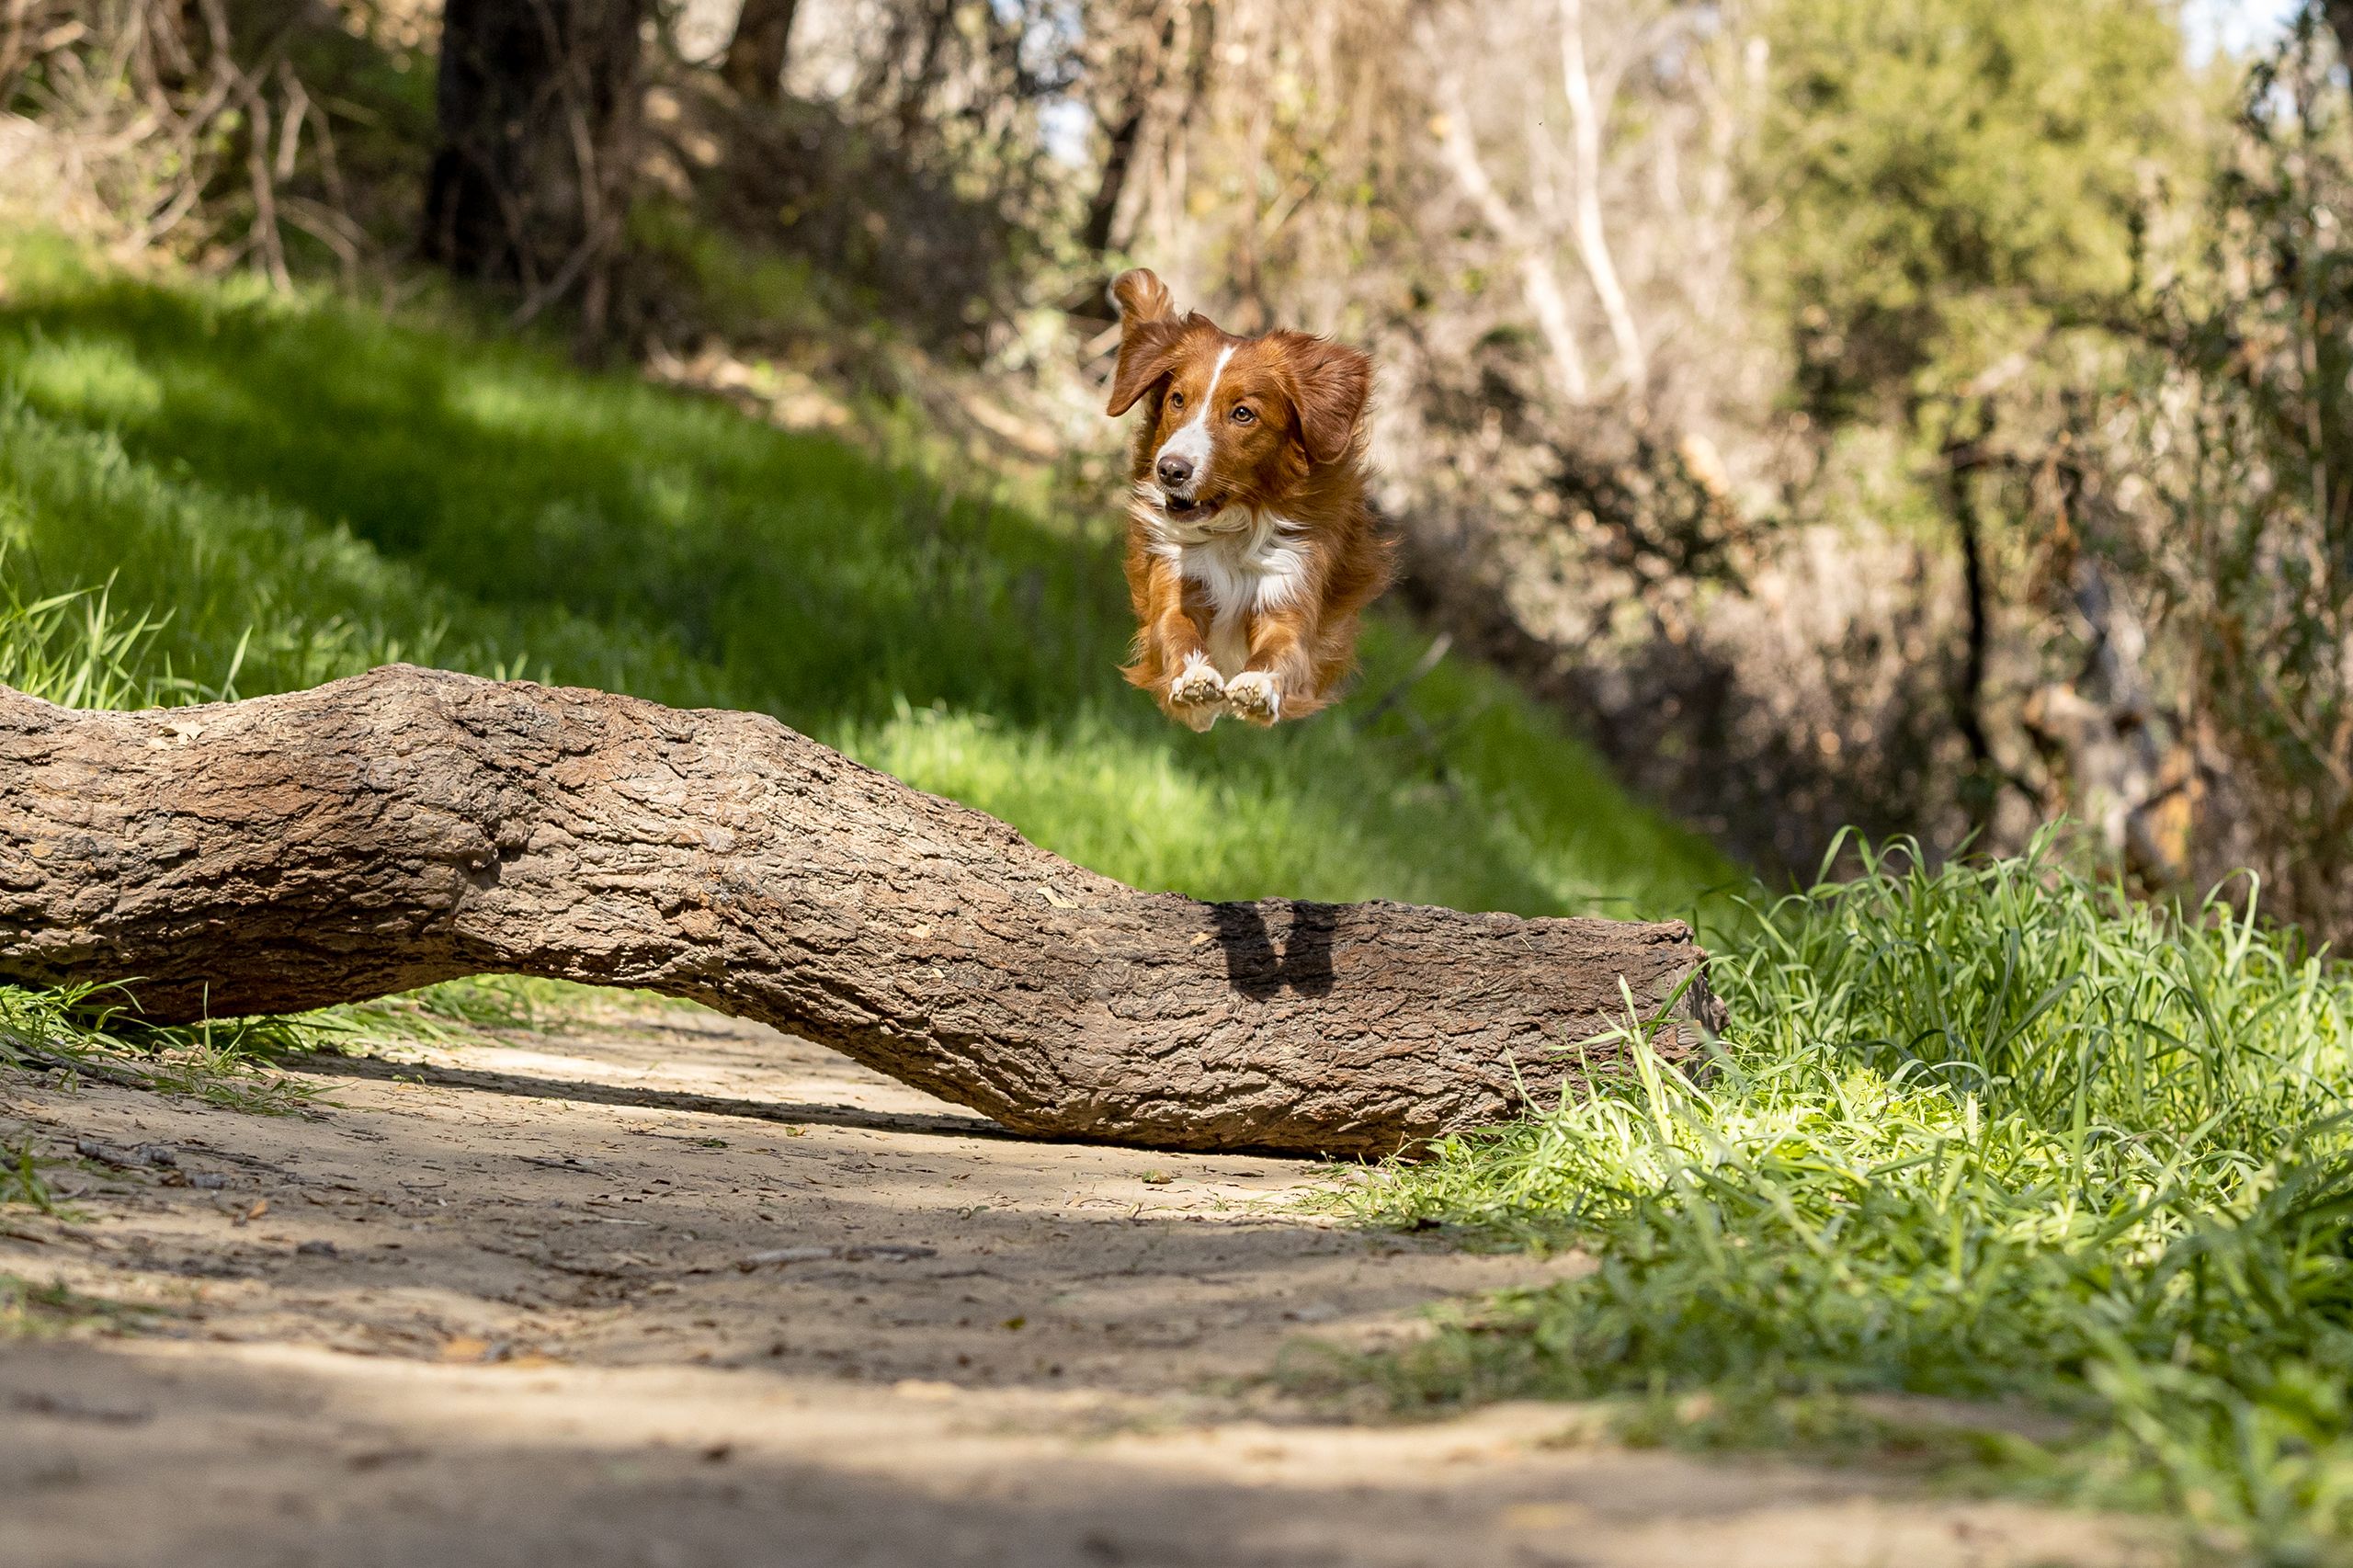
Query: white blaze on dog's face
{"points": [[1235, 424], [1185, 462]]}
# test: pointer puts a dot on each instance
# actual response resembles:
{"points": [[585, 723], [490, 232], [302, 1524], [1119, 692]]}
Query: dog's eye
{"points": [[1244, 413], [1176, 399]]}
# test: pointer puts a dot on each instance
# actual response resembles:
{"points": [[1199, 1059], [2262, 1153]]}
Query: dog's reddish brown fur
{"points": [[1249, 576]]}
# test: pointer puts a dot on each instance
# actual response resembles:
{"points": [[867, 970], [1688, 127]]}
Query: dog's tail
{"points": [[1142, 297]]}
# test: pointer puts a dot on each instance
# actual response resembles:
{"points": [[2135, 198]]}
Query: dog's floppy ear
{"points": [[1142, 297], [1328, 385], [1149, 336]]}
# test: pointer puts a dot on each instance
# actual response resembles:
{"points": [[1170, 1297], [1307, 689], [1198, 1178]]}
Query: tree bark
{"points": [[1119, 157], [2339, 17], [410, 825], [762, 42], [536, 102]]}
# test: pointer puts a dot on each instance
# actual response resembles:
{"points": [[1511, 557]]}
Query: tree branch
{"points": [[1536, 281], [1592, 239]]}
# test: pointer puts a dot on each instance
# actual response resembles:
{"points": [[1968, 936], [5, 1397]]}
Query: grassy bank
{"points": [[1993, 1132], [276, 492]]}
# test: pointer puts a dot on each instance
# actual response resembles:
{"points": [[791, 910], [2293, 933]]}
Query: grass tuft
{"points": [[21, 1181], [92, 1032], [1987, 1131], [76, 649]]}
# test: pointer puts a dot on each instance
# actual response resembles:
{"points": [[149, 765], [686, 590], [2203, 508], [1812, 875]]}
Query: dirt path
{"points": [[688, 1293]]}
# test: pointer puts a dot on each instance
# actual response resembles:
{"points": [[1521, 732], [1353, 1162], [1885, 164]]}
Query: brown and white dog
{"points": [[1251, 552]]}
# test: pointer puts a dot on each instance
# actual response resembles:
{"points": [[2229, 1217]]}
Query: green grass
{"points": [[21, 1181], [93, 1032], [1992, 1131]]}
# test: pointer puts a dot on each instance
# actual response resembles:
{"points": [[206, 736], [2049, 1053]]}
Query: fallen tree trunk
{"points": [[411, 825]]}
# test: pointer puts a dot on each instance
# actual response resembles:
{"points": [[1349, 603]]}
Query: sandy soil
{"points": [[674, 1290]]}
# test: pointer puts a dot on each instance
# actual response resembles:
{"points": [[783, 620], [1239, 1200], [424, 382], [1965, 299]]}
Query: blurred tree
{"points": [[537, 101], [2229, 488], [754, 64], [1132, 46], [1946, 186], [1944, 178], [2339, 13]]}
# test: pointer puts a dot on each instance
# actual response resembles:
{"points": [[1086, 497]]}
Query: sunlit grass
{"points": [[93, 1032], [1988, 1130], [76, 649]]}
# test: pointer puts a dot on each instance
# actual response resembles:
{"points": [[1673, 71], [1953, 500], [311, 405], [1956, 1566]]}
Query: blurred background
{"points": [[1927, 417]]}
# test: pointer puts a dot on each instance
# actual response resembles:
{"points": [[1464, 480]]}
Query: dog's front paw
{"points": [[1197, 685], [1254, 697], [1196, 695]]}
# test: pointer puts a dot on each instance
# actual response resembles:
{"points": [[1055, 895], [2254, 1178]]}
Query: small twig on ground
{"points": [[124, 1159], [121, 1077]]}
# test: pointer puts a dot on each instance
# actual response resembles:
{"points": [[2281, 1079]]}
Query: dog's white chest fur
{"points": [[1258, 568]]}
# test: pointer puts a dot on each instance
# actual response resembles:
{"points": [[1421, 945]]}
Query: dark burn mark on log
{"points": [[411, 825]]}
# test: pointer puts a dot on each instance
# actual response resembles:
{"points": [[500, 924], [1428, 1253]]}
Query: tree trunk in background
{"points": [[915, 87], [757, 54], [1959, 464], [2339, 17], [411, 825], [1118, 158], [538, 108]]}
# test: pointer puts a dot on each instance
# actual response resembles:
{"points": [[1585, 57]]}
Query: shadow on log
{"points": [[411, 825]]}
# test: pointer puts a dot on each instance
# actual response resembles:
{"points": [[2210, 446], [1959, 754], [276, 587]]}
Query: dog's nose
{"points": [[1174, 471]]}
